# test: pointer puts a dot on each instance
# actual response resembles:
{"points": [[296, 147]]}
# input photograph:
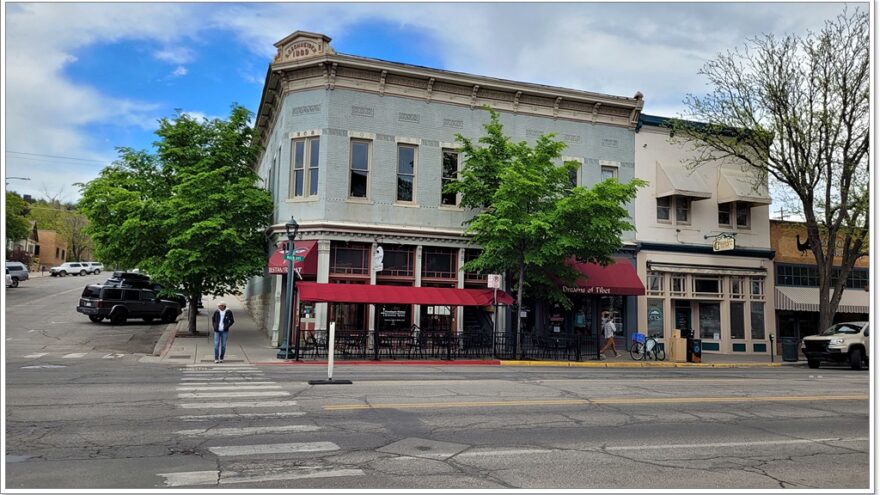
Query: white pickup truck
{"points": [[842, 342]]}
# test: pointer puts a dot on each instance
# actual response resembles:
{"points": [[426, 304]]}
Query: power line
{"points": [[57, 156]]}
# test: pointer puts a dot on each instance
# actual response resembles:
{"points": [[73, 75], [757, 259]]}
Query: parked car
{"points": [[842, 342], [132, 279], [121, 303], [70, 268], [18, 271], [9, 281], [95, 267]]}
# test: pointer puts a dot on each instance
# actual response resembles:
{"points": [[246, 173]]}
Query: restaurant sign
{"points": [[586, 290], [724, 243]]}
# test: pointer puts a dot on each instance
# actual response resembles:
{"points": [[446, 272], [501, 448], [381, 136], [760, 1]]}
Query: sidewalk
{"points": [[248, 344]]}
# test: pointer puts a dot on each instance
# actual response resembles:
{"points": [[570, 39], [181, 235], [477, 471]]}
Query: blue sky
{"points": [[82, 79]]}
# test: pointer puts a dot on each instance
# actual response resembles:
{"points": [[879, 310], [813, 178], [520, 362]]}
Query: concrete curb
{"points": [[638, 364], [166, 340], [487, 362]]}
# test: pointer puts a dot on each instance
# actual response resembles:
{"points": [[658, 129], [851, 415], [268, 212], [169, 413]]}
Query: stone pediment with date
{"points": [[302, 45]]}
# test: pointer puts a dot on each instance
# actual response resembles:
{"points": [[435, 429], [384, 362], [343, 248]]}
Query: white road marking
{"points": [[250, 430], [221, 366], [219, 372], [221, 378], [112, 356], [231, 395], [734, 444], [44, 366], [36, 355], [218, 405], [74, 355], [232, 387], [274, 448], [230, 477], [493, 453], [225, 382], [214, 417]]}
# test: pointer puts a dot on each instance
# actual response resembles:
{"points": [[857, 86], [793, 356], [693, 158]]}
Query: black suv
{"points": [[120, 303], [141, 281]]}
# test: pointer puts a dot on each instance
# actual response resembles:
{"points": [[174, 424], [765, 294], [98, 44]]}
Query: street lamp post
{"points": [[291, 228]]}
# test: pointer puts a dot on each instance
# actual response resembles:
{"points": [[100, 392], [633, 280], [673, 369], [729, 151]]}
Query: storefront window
{"points": [[737, 323], [678, 285], [435, 318], [757, 320], [393, 317], [710, 321], [706, 285], [655, 283], [613, 305], [348, 316], [655, 317]]}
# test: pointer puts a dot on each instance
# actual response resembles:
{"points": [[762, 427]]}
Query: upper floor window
{"points": [[757, 288], [679, 204], [360, 169], [406, 172], [736, 287], [707, 286], [449, 174], [735, 214], [678, 285], [304, 176], [609, 172]]}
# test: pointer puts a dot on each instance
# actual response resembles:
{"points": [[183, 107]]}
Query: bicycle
{"points": [[646, 348]]}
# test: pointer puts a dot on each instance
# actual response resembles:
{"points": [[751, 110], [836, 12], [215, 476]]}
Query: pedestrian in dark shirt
{"points": [[222, 321]]}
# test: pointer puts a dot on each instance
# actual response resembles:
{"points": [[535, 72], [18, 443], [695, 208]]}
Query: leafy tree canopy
{"points": [[190, 215], [796, 109], [530, 220], [17, 226]]}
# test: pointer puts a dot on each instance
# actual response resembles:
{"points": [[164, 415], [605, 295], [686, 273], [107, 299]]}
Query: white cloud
{"points": [[180, 71], [175, 55]]}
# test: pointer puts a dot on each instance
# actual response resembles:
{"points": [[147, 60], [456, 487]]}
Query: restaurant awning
{"points": [[395, 294], [735, 185], [673, 179], [617, 279], [306, 249], [807, 299]]}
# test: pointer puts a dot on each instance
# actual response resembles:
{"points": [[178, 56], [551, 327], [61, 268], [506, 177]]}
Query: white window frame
{"points": [[720, 292], [730, 215], [737, 294], [683, 280], [351, 144], [735, 212], [760, 295], [655, 283], [669, 210], [415, 150], [307, 168], [690, 213], [443, 152]]}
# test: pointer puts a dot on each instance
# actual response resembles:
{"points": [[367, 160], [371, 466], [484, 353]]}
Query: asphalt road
{"points": [[94, 421]]}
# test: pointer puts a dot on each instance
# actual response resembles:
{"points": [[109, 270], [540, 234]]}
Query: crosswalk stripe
{"points": [[219, 372], [274, 448], [250, 430], [226, 382], [215, 417], [231, 395], [215, 478], [233, 387], [221, 366], [73, 355], [217, 378], [36, 355], [233, 405]]}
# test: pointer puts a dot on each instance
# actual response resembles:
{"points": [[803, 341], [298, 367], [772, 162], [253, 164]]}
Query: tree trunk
{"points": [[519, 296]]}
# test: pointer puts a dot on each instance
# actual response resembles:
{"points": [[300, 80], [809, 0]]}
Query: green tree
{"points": [[69, 223], [530, 220], [17, 227], [797, 109], [190, 215]]}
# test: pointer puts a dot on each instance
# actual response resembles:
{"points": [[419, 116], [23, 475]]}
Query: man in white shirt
{"points": [[609, 328], [222, 321]]}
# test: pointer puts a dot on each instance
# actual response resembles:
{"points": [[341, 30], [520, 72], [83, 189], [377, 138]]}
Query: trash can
{"points": [[789, 349], [695, 350]]}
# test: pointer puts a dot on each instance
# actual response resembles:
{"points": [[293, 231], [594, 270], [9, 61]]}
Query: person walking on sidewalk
{"points": [[222, 321], [609, 328]]}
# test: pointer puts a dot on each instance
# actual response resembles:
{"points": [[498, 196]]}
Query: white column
{"points": [[459, 310], [323, 278], [417, 309], [275, 326], [371, 324]]}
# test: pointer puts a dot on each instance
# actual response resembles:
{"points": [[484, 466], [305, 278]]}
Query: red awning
{"points": [[617, 279], [394, 294], [306, 249]]}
